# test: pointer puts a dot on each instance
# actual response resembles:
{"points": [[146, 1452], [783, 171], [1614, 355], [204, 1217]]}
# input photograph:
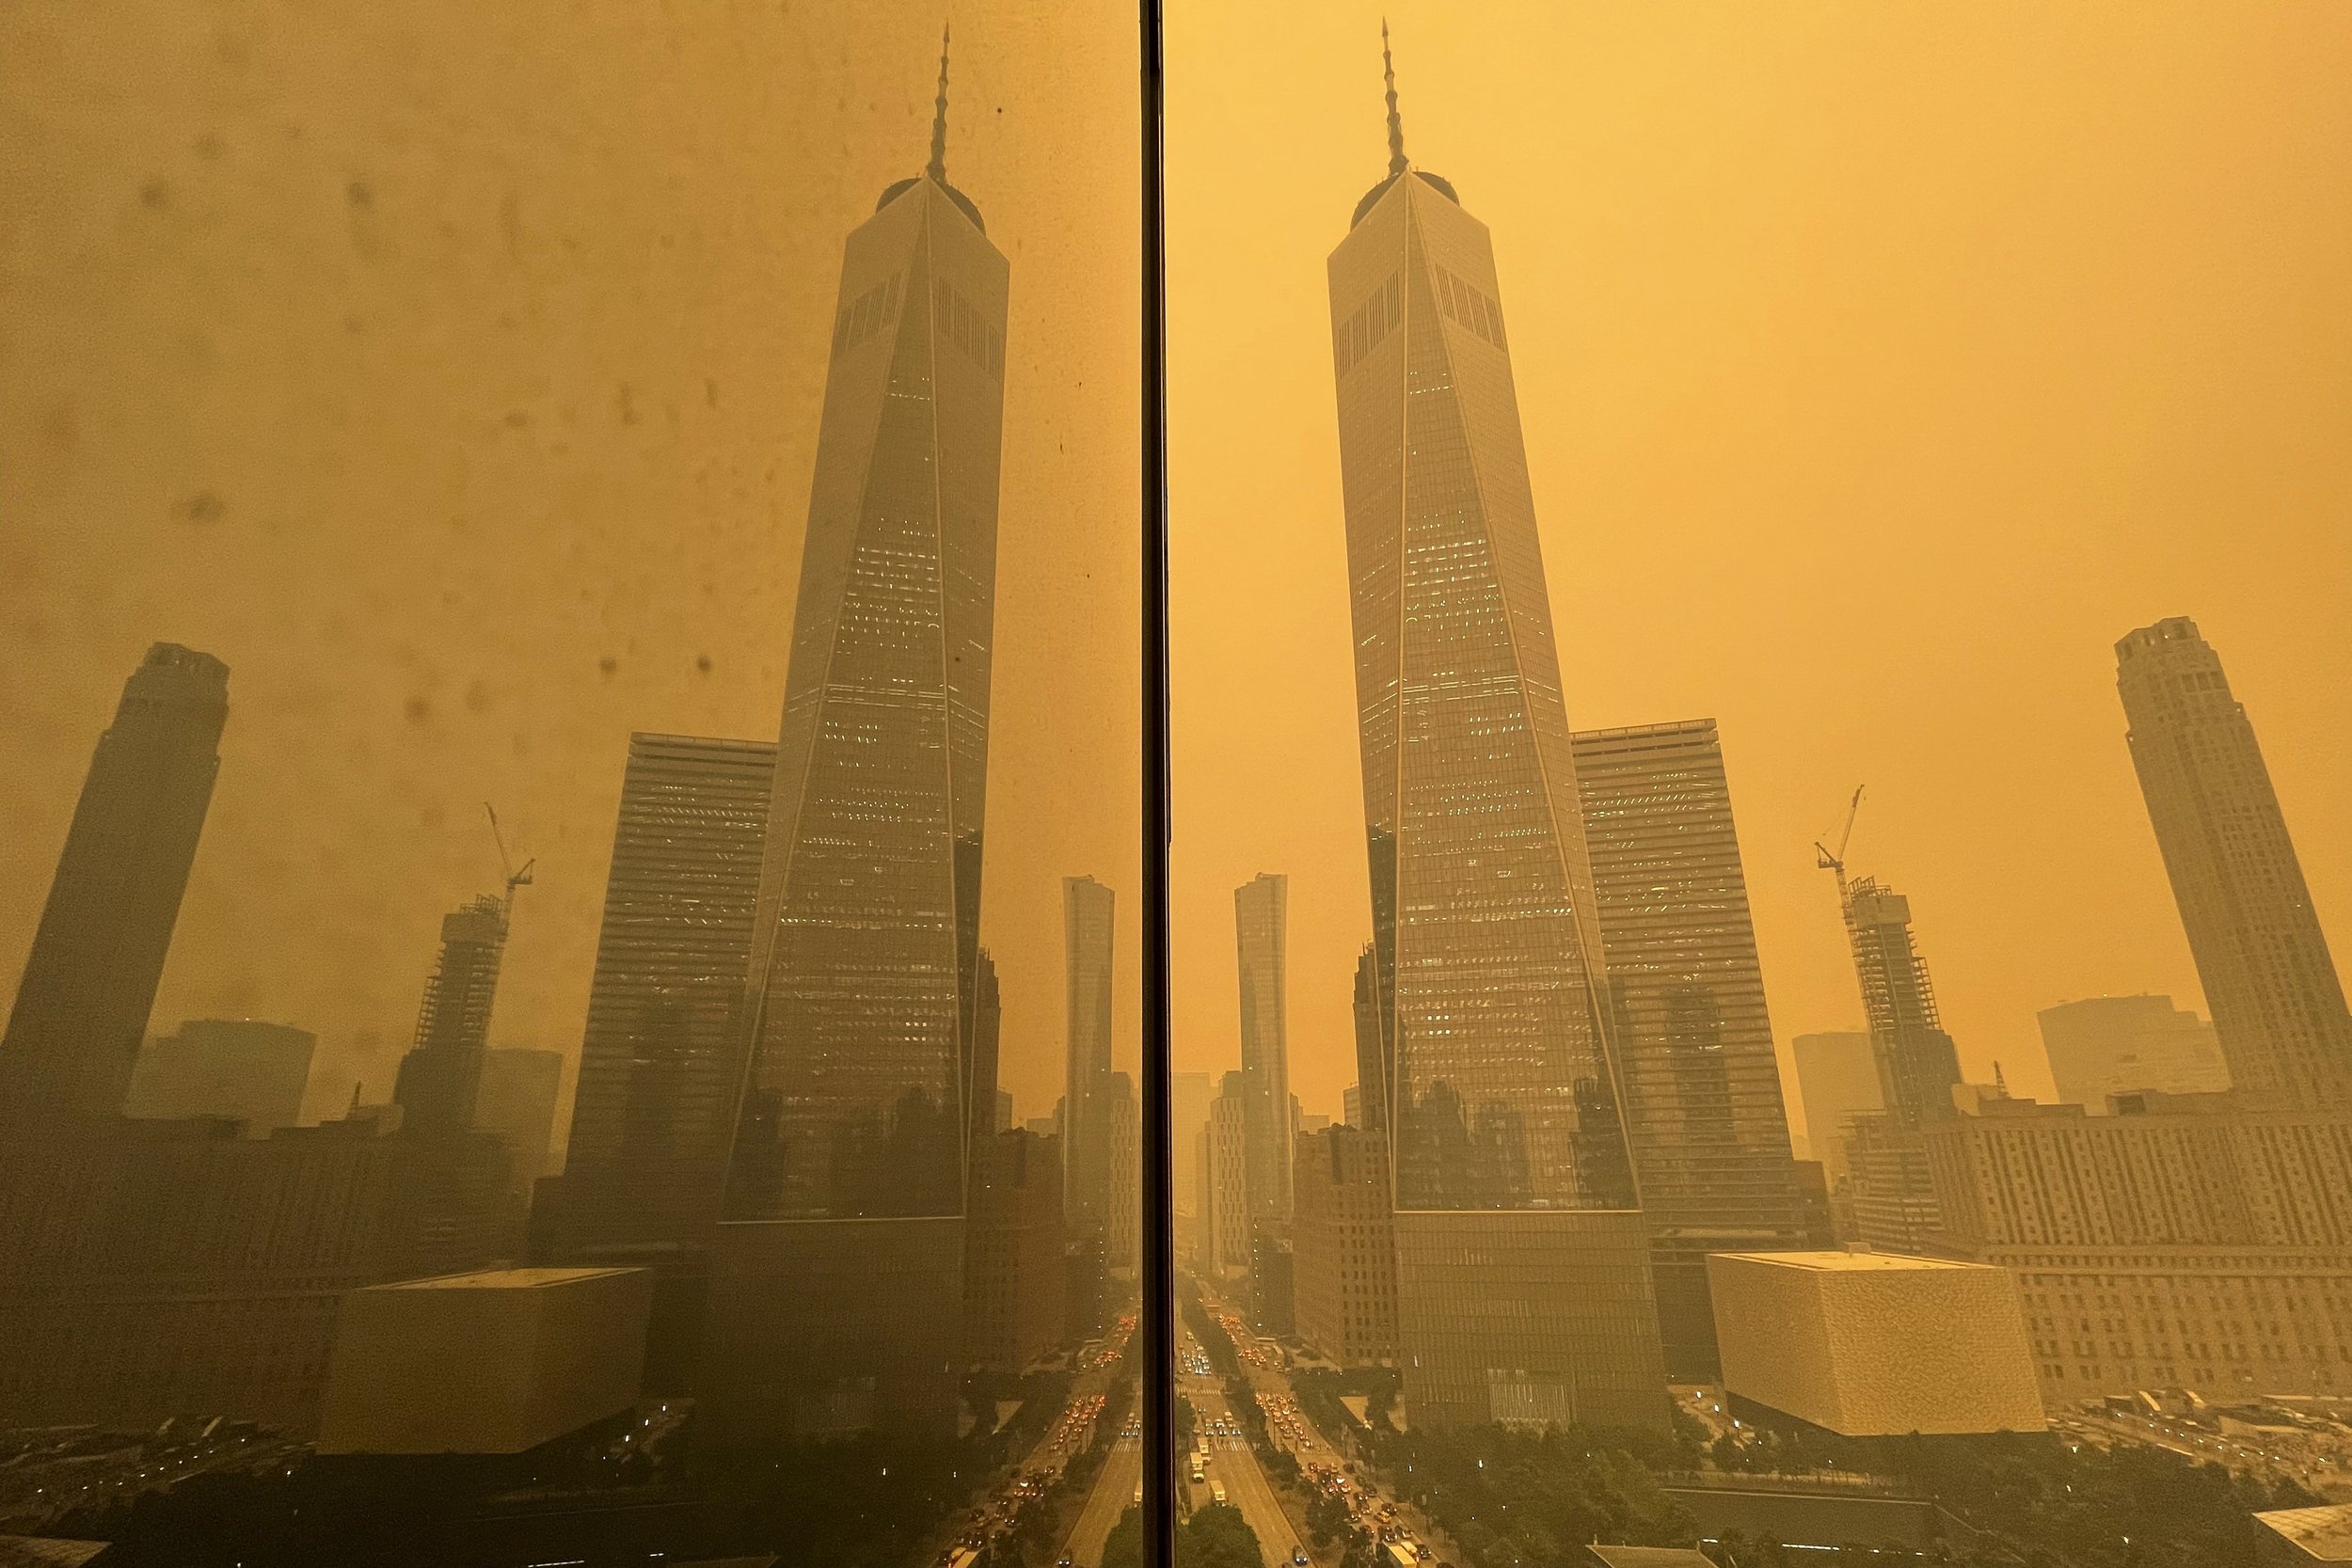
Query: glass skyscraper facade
{"points": [[1523, 1289], [839, 1255], [1087, 912], [1693, 1037]]}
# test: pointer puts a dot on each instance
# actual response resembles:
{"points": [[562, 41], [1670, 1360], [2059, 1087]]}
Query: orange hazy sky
{"points": [[452, 373], [1880, 367]]}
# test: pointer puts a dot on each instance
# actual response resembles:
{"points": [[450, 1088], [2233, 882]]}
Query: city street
{"points": [[1114, 1490]]}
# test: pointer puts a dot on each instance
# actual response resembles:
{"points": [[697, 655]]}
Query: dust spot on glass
{"points": [[516, 418], [710, 392], [626, 402], [359, 194], [210, 146], [60, 429], [156, 193], [702, 663], [202, 507], [419, 709], [609, 666], [478, 697]]}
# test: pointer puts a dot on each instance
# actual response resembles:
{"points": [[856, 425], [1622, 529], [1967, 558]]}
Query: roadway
{"points": [[1246, 1487], [1114, 1490]]}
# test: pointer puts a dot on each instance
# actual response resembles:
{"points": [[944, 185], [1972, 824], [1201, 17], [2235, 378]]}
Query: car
{"points": [[1299, 1559]]}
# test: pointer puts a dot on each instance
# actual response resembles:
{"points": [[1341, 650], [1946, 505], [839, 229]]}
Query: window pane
{"points": [[711, 437]]}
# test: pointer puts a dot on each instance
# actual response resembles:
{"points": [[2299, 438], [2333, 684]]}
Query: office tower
{"points": [[1344, 1249], [218, 1067], [1372, 1029], [1837, 1078], [1043, 1127], [1015, 1275], [1260, 939], [1694, 1037], [1189, 1094], [2182, 1241], [2277, 1003], [97, 954], [1088, 908], [441, 1078], [1123, 1209], [1523, 1288], [1309, 1121], [517, 1103], [842, 1232], [2109, 1045], [1352, 1105], [662, 1057], [153, 1268], [1004, 1110], [1221, 1158], [1874, 1345]]}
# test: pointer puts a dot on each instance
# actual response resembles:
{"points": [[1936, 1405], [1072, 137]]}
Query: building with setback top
{"points": [[81, 1007], [1261, 943], [838, 1258], [1694, 1037], [2278, 1002], [1523, 1286]]}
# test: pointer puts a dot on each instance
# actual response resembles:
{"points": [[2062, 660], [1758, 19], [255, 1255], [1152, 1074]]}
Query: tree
{"points": [[1217, 1537], [1124, 1547]]}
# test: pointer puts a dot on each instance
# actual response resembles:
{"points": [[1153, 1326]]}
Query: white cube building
{"points": [[1872, 1344], [498, 1361]]}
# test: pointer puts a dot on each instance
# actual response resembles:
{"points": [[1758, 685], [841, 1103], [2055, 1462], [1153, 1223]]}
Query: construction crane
{"points": [[1833, 860], [515, 878]]}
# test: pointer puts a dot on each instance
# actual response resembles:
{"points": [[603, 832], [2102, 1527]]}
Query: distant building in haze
{"points": [[1123, 1209], [1189, 1096], [842, 1229], [1087, 911], [1220, 1157], [2108, 1045], [1874, 1345], [1523, 1285], [516, 1101], [441, 1078], [1352, 1105], [1260, 942], [1838, 1078], [216, 1067], [2278, 1002], [97, 957], [1694, 1040], [1886, 1172], [1343, 1247], [1004, 1110]]}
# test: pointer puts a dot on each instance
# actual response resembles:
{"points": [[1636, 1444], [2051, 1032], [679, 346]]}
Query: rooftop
{"points": [[1851, 1262], [500, 1280], [2321, 1534]]}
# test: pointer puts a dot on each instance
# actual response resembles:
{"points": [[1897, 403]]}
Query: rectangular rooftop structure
{"points": [[1872, 1344], [496, 1361]]}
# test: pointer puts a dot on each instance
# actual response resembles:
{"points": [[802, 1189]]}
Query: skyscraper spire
{"points": [[938, 169], [1396, 124]]}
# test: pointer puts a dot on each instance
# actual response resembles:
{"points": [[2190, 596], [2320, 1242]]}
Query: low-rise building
{"points": [[493, 1362], [1871, 1344], [1343, 1247]]}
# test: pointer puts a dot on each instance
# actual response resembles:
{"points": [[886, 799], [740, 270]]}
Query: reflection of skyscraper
{"points": [[2278, 1002], [222, 1066], [1522, 1277], [1189, 1094], [1260, 928], [1838, 1077], [1695, 1041], [90, 981], [1087, 908], [441, 1078], [517, 1103], [660, 1060], [842, 1232]]}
